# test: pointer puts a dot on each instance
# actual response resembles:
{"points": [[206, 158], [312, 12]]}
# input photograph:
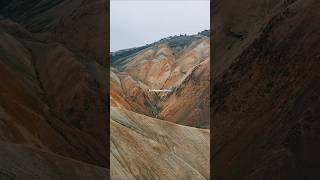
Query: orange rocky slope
{"points": [[153, 148], [186, 72]]}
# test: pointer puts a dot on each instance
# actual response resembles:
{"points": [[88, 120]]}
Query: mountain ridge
{"points": [[126, 53], [160, 67]]}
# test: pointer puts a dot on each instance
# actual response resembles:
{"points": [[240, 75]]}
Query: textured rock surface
{"points": [[143, 147], [52, 91], [22, 162], [265, 88], [147, 148], [185, 71], [80, 25]]}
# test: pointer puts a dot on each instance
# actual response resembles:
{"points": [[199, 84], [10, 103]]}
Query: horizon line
{"points": [[137, 46]]}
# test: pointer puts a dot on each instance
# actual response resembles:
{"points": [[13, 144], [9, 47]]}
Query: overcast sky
{"points": [[139, 22]]}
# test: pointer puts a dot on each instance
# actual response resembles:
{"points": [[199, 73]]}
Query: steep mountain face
{"points": [[52, 90], [180, 64], [265, 88], [150, 133]]}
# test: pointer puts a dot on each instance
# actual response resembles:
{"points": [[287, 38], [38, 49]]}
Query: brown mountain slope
{"points": [[147, 148], [189, 103], [161, 66], [81, 25], [52, 93], [143, 147], [266, 93], [35, 98], [21, 162]]}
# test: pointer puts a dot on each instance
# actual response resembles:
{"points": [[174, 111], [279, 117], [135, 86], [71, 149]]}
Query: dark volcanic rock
{"points": [[81, 25], [53, 88], [265, 104], [21, 162]]}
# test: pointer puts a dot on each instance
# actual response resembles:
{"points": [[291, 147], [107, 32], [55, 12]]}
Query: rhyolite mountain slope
{"points": [[144, 145], [265, 90], [53, 84], [146, 148], [180, 63]]}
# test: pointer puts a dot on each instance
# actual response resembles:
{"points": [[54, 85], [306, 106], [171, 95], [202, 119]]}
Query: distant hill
{"points": [[177, 43]]}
